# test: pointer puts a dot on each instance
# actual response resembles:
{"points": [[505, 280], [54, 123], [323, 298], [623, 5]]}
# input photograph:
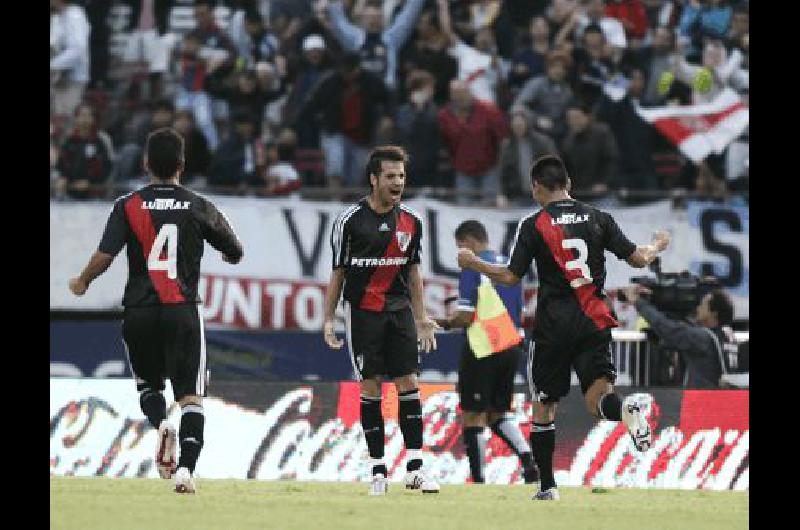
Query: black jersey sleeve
{"points": [[527, 243], [115, 234], [416, 244], [340, 240], [217, 230], [615, 241]]}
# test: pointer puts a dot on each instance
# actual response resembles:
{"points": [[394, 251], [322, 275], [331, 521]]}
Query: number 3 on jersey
{"points": [[167, 236], [578, 263]]}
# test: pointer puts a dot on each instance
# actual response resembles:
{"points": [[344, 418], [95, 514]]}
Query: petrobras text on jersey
{"points": [[377, 262], [165, 204], [570, 219]]}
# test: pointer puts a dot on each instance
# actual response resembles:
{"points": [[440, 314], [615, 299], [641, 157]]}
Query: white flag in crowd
{"points": [[699, 130]]}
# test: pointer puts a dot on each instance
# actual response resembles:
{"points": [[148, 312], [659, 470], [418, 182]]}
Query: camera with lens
{"points": [[676, 294]]}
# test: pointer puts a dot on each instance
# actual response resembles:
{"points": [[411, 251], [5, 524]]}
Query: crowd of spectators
{"points": [[278, 96]]}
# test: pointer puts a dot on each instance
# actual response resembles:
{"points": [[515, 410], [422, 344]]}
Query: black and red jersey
{"points": [[376, 251], [568, 240], [164, 227]]}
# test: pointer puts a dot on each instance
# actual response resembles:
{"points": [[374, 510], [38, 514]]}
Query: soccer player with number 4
{"points": [[573, 321], [164, 226]]}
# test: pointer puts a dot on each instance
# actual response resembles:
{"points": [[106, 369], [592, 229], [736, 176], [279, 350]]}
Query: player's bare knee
{"points": [[599, 388], [371, 388], [544, 412], [474, 419], [406, 383], [492, 417], [191, 400]]}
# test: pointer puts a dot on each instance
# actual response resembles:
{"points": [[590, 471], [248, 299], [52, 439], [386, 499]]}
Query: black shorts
{"points": [[550, 365], [166, 342], [487, 385], [382, 343]]}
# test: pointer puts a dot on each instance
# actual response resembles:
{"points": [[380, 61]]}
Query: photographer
{"points": [[707, 346]]}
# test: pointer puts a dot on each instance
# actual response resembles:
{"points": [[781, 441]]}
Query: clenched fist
{"points": [[77, 286], [329, 333], [661, 240], [465, 258]]}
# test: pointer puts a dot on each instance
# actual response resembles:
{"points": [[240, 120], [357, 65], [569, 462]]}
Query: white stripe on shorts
{"points": [[348, 324], [200, 384], [531, 386]]}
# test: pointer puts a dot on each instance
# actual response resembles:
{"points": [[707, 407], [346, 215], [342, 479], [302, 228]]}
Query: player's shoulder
{"points": [[198, 203], [528, 222], [346, 216], [412, 212], [597, 213], [349, 212], [192, 195], [125, 197], [121, 201]]}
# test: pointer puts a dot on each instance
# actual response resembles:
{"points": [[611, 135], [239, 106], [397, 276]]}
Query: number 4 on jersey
{"points": [[578, 263], [167, 236]]}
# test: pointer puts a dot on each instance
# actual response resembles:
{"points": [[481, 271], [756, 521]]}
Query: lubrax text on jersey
{"points": [[570, 219], [165, 204]]}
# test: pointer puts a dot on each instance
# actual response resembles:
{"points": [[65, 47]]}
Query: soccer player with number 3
{"points": [[164, 226], [572, 326]]}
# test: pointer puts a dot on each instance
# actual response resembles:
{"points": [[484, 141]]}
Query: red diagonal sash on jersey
{"points": [[594, 307], [375, 293], [169, 292]]}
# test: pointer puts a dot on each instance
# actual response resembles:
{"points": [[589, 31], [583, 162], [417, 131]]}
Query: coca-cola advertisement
{"points": [[270, 431]]}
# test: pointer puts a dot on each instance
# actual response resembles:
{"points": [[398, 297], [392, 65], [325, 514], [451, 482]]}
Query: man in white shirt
{"points": [[69, 57], [480, 67], [595, 13]]}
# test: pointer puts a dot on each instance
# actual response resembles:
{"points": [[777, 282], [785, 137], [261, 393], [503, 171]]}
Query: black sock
{"points": [[410, 419], [190, 435], [475, 452], [372, 425], [154, 406], [543, 442], [610, 407]]}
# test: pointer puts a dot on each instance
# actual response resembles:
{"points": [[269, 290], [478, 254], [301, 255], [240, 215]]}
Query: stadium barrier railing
{"points": [[632, 357]]}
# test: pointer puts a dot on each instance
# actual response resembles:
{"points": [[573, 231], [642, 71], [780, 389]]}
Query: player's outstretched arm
{"points": [[99, 262], [331, 300], [497, 273], [645, 254], [426, 326]]}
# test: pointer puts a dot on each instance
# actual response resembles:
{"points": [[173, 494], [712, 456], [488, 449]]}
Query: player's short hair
{"points": [[550, 172], [390, 153], [722, 305], [472, 228], [164, 152]]}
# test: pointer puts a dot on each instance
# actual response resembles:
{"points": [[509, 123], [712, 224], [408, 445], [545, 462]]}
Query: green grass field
{"points": [[87, 503]]}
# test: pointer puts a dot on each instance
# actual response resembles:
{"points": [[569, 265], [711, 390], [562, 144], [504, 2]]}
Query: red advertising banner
{"points": [[312, 432]]}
